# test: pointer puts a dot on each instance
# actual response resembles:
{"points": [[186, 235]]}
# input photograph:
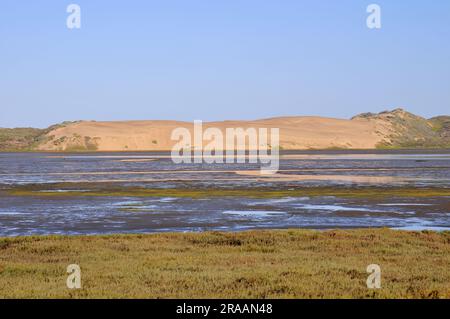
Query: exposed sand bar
{"points": [[345, 178], [256, 176], [138, 160], [253, 174]]}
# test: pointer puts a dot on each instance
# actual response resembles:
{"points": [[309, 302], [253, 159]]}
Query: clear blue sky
{"points": [[220, 59]]}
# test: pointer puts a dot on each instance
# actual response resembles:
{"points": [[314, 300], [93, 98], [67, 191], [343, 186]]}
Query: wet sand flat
{"points": [[113, 193]]}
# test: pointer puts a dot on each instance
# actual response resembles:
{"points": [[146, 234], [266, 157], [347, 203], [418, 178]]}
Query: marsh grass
{"points": [[254, 264]]}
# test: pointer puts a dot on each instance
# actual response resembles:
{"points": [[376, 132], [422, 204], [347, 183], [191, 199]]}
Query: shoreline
{"points": [[436, 230], [287, 151]]}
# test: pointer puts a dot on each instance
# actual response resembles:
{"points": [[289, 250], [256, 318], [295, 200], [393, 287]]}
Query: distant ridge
{"points": [[389, 129], [411, 131]]}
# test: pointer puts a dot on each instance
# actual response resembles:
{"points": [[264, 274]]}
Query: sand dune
{"points": [[388, 129], [295, 133]]}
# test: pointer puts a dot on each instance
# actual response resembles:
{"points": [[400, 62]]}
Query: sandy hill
{"points": [[295, 133], [396, 128]]}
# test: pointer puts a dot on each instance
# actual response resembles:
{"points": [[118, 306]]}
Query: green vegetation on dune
{"points": [[25, 139], [255, 264], [412, 131], [18, 139], [441, 125]]}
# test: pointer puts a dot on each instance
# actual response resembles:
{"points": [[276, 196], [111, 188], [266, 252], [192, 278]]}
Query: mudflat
{"points": [[120, 193]]}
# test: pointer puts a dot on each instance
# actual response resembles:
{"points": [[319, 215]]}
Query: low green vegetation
{"points": [[255, 264], [18, 139], [112, 190], [25, 139], [441, 125], [412, 131]]}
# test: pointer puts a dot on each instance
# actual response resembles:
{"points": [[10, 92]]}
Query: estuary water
{"points": [[36, 213]]}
